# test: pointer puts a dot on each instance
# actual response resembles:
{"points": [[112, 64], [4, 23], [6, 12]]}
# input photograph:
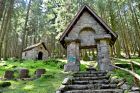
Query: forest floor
{"points": [[51, 81], [46, 84]]}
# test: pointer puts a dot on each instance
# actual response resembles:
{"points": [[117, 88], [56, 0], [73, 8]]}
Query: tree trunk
{"points": [[136, 24], [2, 4], [5, 24], [24, 36]]}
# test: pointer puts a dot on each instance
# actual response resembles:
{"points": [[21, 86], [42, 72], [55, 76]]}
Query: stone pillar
{"points": [[103, 52], [73, 57], [39, 72]]}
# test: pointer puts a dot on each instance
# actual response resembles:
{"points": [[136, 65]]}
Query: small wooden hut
{"points": [[37, 51]]}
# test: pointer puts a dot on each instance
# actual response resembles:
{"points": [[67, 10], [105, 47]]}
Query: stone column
{"points": [[73, 58], [103, 52]]}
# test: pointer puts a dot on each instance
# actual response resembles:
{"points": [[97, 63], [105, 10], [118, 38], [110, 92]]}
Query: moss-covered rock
{"points": [[5, 84]]}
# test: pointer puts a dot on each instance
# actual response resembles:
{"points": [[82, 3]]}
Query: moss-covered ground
{"points": [[124, 63], [48, 83]]}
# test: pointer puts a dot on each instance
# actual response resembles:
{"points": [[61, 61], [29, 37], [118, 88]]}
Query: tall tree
{"points": [[5, 23], [24, 36]]}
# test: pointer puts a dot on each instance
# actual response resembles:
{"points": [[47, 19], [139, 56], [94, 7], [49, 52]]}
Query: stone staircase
{"points": [[90, 81]]}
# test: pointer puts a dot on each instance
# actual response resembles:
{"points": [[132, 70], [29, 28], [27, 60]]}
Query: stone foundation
{"points": [[71, 67], [72, 56], [103, 55]]}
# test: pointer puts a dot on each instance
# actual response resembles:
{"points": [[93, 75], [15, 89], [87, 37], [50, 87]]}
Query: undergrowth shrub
{"points": [[82, 67], [121, 74], [5, 84], [48, 76], [86, 58], [55, 63]]}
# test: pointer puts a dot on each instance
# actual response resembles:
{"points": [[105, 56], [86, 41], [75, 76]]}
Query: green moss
{"points": [[4, 84], [83, 67], [48, 83], [121, 74], [124, 63]]}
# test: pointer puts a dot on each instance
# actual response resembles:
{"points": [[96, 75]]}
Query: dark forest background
{"points": [[26, 22]]}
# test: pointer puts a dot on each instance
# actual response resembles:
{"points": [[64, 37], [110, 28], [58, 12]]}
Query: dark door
{"points": [[40, 55]]}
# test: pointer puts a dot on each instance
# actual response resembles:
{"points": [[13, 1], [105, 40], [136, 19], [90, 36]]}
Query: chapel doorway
{"points": [[40, 56]]}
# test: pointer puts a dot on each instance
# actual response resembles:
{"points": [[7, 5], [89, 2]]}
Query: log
{"points": [[136, 81], [136, 63], [130, 72]]}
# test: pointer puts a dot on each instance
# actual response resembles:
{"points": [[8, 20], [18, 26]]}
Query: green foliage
{"points": [[124, 63], [121, 74], [56, 63], [86, 58], [48, 82], [137, 59], [137, 70], [5, 84], [94, 56], [83, 67]]}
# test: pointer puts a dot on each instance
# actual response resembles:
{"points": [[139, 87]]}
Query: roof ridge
{"points": [[94, 15]]}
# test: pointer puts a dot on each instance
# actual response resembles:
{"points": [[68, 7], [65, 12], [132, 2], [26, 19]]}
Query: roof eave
{"points": [[114, 35]]}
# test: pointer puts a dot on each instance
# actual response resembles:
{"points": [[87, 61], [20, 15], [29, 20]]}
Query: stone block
{"points": [[39, 72], [5, 84], [134, 88], [58, 92], [9, 74], [67, 81], [102, 37], [104, 66], [24, 73], [125, 86], [71, 66]]}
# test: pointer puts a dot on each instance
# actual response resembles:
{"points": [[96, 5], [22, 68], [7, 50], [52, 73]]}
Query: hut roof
{"points": [[96, 17], [36, 45]]}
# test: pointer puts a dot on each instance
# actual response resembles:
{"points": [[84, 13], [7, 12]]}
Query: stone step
{"points": [[103, 81], [90, 81], [90, 86], [91, 69], [96, 91], [91, 72], [90, 78], [89, 75]]}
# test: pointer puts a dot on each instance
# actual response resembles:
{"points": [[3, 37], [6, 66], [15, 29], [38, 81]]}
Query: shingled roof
{"points": [[36, 45], [96, 17]]}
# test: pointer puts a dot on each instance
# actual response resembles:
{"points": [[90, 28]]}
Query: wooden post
{"points": [[136, 81]]}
